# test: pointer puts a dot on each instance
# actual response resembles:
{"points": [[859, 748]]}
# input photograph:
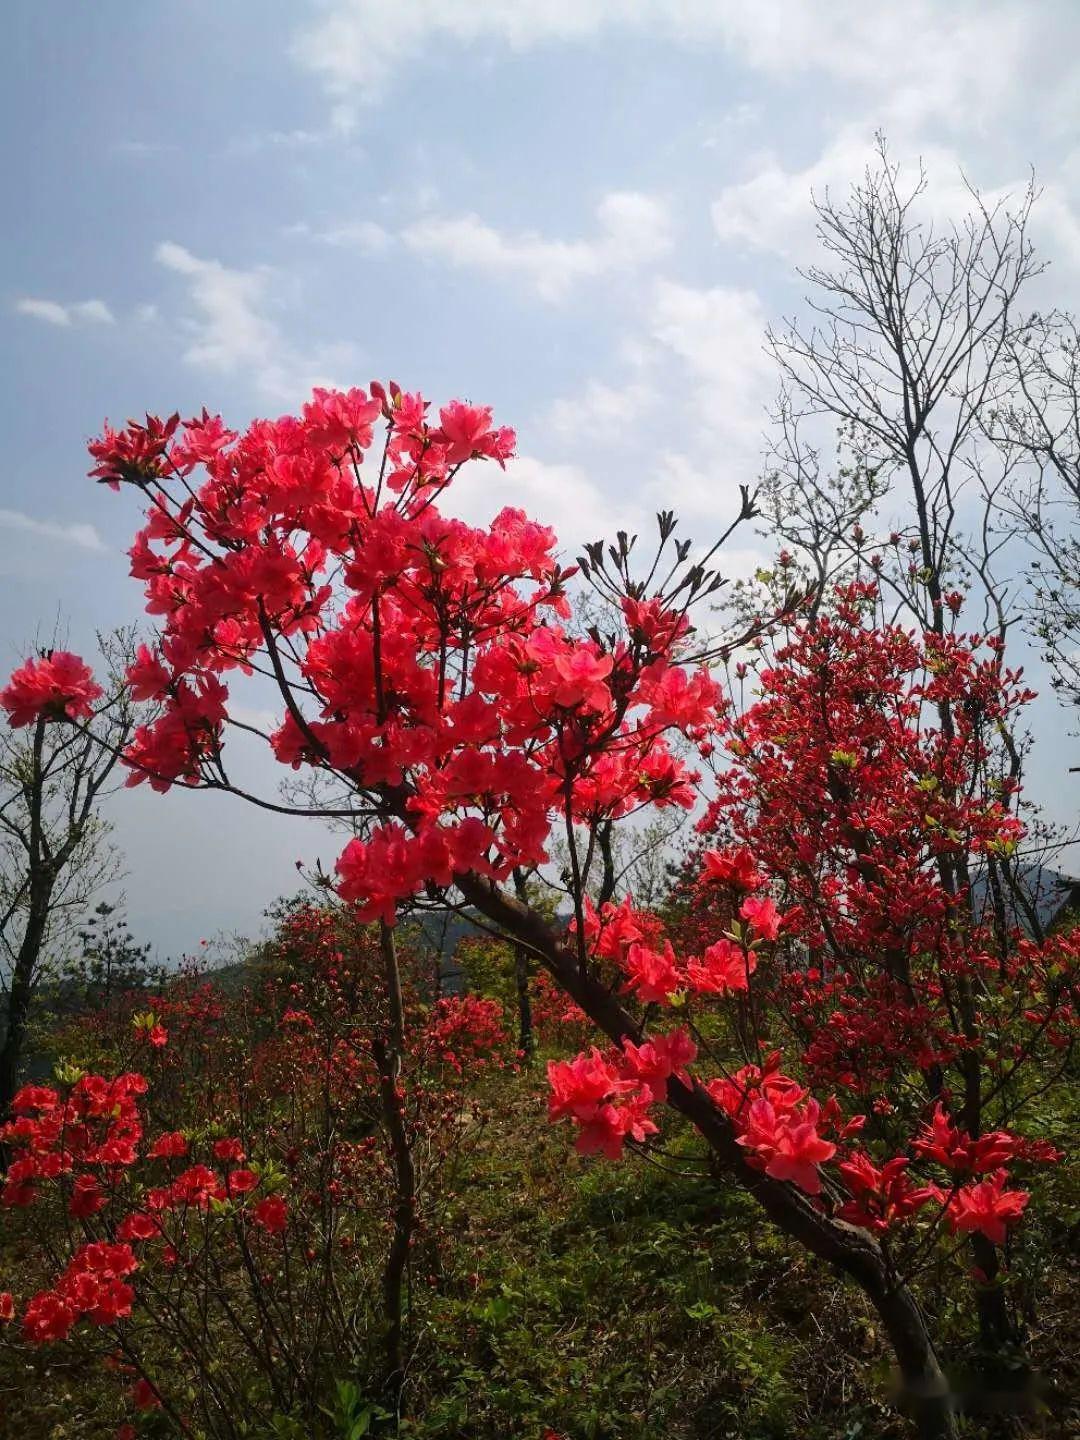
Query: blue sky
{"points": [[582, 213]]}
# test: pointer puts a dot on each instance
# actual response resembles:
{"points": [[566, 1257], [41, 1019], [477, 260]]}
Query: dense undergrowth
{"points": [[575, 1298]]}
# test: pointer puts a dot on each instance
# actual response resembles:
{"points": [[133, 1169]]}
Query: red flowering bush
{"points": [[869, 789], [151, 1229], [243, 1202], [559, 1020]]}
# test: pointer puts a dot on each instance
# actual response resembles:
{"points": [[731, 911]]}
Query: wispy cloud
{"points": [[231, 328], [142, 149], [697, 359], [340, 128], [633, 230], [367, 237], [964, 62], [562, 495], [600, 412], [718, 335], [53, 312], [83, 537], [772, 209]]}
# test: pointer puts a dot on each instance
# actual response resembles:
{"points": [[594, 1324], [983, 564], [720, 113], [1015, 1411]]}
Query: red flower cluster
{"points": [[942, 1142], [134, 454], [97, 1128], [93, 1286], [87, 1142], [988, 1208], [58, 685], [848, 792], [632, 940], [779, 1125], [465, 1028], [881, 1199], [608, 1095]]}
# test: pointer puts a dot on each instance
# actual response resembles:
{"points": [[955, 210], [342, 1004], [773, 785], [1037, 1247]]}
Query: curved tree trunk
{"points": [[925, 1390]]}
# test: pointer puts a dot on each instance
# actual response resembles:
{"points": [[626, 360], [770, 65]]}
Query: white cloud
{"points": [[956, 60], [718, 334], [366, 236], [600, 412], [718, 401], [633, 229], [772, 211], [562, 496], [689, 419], [231, 330], [703, 490], [1056, 226], [52, 312], [83, 537], [94, 311], [298, 140], [356, 46]]}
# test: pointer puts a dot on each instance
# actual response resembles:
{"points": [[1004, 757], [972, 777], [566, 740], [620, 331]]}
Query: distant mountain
{"points": [[438, 931], [1046, 893], [442, 931]]}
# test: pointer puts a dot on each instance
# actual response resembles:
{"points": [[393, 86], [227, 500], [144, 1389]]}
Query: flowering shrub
{"points": [[242, 1203], [559, 1020], [868, 787]]}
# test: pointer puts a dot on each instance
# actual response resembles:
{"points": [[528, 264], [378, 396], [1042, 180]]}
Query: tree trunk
{"points": [[388, 1056], [40, 881], [997, 1332], [395, 1269], [20, 994], [924, 1389], [526, 1038], [925, 1392]]}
